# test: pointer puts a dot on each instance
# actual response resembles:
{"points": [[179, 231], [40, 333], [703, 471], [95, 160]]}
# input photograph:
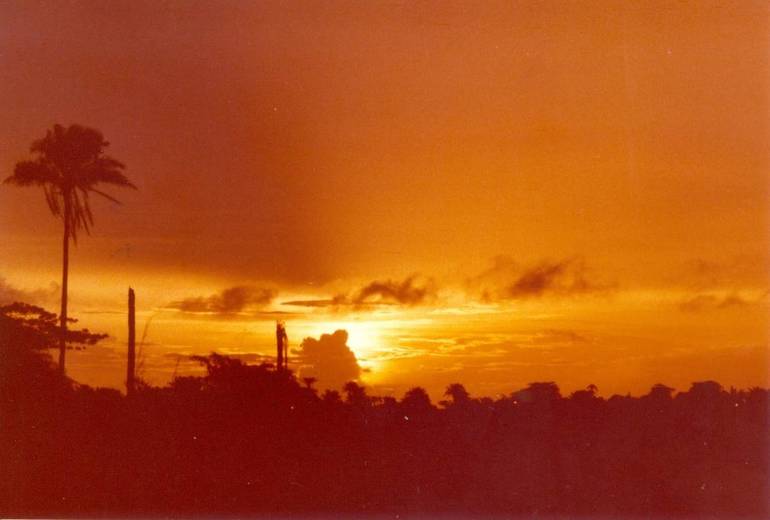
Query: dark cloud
{"points": [[710, 302], [310, 303], [411, 291], [10, 294], [329, 359], [505, 280], [537, 280], [414, 290], [230, 301], [566, 277], [338, 300]]}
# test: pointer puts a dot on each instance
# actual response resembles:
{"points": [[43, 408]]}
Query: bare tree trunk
{"points": [[130, 376], [64, 279], [278, 346]]}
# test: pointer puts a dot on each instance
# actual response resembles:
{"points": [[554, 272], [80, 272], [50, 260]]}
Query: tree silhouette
{"points": [[416, 401], [249, 440], [68, 164], [660, 393], [458, 393], [355, 394], [26, 333]]}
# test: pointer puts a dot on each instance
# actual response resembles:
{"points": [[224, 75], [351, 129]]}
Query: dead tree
{"points": [[282, 347]]}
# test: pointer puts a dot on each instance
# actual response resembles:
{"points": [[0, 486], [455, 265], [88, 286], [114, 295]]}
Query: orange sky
{"points": [[580, 188]]}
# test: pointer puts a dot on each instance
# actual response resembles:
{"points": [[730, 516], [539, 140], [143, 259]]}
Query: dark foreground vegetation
{"points": [[251, 440]]}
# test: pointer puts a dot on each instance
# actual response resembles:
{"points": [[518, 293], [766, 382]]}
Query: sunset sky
{"points": [[490, 193]]}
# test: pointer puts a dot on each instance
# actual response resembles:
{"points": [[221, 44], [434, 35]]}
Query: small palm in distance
{"points": [[69, 163]]}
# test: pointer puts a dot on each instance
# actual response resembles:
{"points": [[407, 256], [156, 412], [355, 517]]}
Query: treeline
{"points": [[247, 439]]}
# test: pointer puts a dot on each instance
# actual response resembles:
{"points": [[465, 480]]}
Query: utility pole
{"points": [[282, 347], [130, 376]]}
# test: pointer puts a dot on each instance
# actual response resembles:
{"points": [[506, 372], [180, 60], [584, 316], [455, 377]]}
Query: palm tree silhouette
{"points": [[69, 163], [458, 393]]}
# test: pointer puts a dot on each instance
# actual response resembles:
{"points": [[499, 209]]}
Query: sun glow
{"points": [[363, 336]]}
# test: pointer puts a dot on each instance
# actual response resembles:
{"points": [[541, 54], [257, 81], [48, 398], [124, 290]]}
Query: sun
{"points": [[364, 336]]}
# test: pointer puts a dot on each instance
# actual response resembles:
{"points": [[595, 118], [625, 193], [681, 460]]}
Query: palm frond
{"points": [[52, 197], [87, 209], [106, 196], [32, 173], [105, 170], [80, 213], [69, 164]]}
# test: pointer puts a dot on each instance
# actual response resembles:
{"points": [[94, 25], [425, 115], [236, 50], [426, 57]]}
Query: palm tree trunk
{"points": [[64, 276]]}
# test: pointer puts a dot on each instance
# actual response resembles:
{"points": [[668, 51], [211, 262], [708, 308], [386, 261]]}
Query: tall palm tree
{"points": [[69, 163]]}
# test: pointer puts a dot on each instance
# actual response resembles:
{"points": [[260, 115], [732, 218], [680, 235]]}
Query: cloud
{"points": [[734, 283], [567, 277], [414, 290], [10, 294], [228, 302], [503, 267], [329, 359], [310, 303], [558, 336], [710, 302], [328, 302], [739, 271], [411, 291], [538, 280], [505, 280]]}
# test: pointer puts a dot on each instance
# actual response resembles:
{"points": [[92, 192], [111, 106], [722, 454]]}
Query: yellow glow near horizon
{"points": [[363, 336]]}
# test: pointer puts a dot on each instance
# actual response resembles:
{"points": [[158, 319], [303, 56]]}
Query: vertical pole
{"points": [[279, 345], [285, 350], [131, 343]]}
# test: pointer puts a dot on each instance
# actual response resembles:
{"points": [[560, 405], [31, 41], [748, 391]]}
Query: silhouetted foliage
{"points": [[248, 439], [416, 401], [27, 332], [458, 393], [37, 329]]}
